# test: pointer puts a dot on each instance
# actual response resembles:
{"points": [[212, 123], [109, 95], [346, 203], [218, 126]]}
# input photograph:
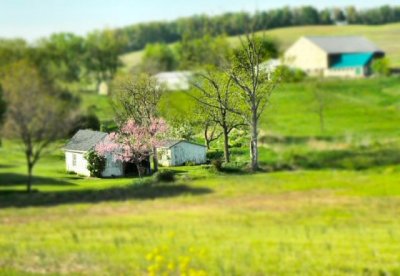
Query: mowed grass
{"points": [[384, 36], [326, 204], [307, 222]]}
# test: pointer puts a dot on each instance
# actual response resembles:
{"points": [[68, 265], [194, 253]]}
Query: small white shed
{"points": [[77, 148], [177, 80], [178, 152]]}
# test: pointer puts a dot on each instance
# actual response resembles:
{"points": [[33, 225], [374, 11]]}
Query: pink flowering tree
{"points": [[133, 142]]}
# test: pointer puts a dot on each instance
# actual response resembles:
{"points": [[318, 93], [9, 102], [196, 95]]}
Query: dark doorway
{"points": [[130, 169]]}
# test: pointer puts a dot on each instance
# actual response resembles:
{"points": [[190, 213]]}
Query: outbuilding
{"points": [[77, 148], [173, 81], [338, 56], [181, 152]]}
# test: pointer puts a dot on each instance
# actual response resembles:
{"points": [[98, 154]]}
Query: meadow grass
{"points": [[323, 203]]}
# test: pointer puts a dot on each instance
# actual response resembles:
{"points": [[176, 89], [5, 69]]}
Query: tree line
{"points": [[236, 23]]}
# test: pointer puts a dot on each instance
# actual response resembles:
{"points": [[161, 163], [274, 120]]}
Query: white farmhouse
{"points": [[80, 144], [178, 152], [177, 80]]}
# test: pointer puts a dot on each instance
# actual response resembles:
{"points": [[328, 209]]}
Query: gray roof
{"points": [[172, 142], [344, 44], [85, 140]]}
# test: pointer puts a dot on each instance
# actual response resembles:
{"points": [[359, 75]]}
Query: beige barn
{"points": [[338, 56]]}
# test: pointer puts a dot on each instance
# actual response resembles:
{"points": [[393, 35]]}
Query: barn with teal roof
{"points": [[333, 56]]}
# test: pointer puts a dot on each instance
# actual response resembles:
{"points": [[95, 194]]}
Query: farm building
{"points": [[179, 152], [170, 153], [178, 80], [80, 144], [339, 56]]}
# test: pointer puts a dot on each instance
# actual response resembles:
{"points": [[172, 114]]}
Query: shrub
{"points": [[190, 163], [85, 121], [290, 74], [165, 176], [215, 154], [217, 164], [96, 163], [381, 66]]}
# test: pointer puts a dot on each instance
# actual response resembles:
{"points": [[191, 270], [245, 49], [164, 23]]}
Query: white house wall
{"points": [[187, 152], [80, 165], [112, 168]]}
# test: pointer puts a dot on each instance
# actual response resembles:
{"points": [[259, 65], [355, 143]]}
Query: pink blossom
{"points": [[133, 143]]}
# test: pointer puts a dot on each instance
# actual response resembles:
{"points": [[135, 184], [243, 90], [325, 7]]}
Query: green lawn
{"points": [[324, 204], [384, 36], [307, 222]]}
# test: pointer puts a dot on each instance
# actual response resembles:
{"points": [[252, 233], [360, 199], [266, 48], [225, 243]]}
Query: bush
{"points": [[290, 74], [381, 66], [165, 176], [190, 163], [85, 121], [96, 163], [217, 164], [215, 154]]}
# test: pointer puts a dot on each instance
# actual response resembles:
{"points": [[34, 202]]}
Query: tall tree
{"points": [[37, 114], [102, 54], [137, 99], [159, 57], [254, 86], [218, 99]]}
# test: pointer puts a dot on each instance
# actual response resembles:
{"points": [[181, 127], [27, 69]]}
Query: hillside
{"points": [[382, 35]]}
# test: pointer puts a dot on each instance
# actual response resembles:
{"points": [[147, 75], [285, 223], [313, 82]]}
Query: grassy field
{"points": [[324, 204], [382, 35]]}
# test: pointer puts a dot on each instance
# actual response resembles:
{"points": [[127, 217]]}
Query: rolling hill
{"points": [[382, 35]]}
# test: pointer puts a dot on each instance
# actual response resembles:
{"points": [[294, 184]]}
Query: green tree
{"points": [[37, 113], [137, 99], [218, 100], [159, 57], [102, 54], [254, 87], [62, 56]]}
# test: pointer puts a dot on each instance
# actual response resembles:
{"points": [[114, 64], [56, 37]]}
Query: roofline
{"points": [[197, 144], [379, 50], [77, 151]]}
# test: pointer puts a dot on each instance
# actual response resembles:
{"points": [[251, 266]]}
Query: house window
{"points": [[74, 160]]}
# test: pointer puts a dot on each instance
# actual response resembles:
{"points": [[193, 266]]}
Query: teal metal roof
{"points": [[352, 60]]}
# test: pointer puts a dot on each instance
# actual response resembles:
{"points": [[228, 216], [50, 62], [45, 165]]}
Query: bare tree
{"points": [[36, 114], [254, 86], [218, 100], [137, 98]]}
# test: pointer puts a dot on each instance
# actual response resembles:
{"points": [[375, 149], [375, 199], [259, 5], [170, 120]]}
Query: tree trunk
{"points": [[29, 183], [206, 137], [155, 160], [226, 146], [139, 169], [253, 145]]}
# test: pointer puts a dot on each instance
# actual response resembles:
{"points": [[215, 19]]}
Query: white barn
{"points": [[80, 144], [178, 152], [177, 80]]}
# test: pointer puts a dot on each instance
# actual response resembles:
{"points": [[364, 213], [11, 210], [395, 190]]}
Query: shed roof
{"points": [[169, 143], [85, 140], [344, 44], [352, 60]]}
